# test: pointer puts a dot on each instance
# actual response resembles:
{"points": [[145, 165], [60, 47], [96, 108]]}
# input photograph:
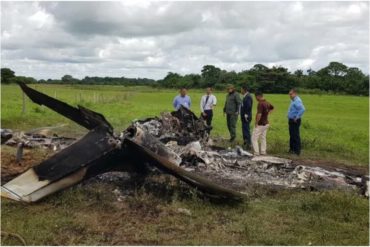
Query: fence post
{"points": [[23, 103]]}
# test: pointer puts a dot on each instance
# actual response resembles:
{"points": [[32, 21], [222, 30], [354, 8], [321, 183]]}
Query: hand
{"points": [[295, 120], [204, 114], [246, 117]]}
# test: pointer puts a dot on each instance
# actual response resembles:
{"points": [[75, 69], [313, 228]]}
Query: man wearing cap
{"points": [[231, 109]]}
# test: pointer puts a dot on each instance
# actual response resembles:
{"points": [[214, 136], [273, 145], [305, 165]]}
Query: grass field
{"points": [[335, 129]]}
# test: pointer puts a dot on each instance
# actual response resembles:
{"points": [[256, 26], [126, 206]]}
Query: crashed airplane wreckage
{"points": [[176, 143]]}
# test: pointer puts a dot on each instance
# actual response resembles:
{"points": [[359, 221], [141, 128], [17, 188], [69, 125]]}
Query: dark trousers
{"points": [[208, 117], [246, 131], [295, 139], [231, 120]]}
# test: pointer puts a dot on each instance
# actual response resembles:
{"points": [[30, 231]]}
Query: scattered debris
{"points": [[35, 140]]}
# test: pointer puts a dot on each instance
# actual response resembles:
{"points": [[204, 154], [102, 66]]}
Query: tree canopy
{"points": [[334, 78]]}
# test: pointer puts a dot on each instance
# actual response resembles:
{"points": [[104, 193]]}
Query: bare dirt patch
{"points": [[10, 168]]}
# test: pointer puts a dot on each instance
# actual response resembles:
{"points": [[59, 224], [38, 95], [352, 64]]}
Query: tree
{"points": [[298, 73], [68, 79], [6, 75], [210, 75], [354, 82], [333, 76], [336, 69], [24, 79], [171, 80]]}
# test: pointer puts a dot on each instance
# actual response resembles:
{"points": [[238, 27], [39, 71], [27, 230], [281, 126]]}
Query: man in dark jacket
{"points": [[231, 109], [246, 115]]}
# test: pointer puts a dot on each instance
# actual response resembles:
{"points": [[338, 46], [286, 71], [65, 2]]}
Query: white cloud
{"points": [[148, 39]]}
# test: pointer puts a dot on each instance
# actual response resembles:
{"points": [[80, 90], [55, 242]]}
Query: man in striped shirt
{"points": [[207, 103]]}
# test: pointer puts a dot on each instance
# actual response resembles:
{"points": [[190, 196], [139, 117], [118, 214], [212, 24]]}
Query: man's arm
{"points": [[242, 107], [258, 114], [201, 104], [238, 103], [214, 102], [189, 101], [271, 108], [258, 117], [225, 106], [300, 109], [248, 107], [174, 103]]}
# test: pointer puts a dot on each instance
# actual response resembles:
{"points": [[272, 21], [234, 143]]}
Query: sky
{"points": [[149, 39]]}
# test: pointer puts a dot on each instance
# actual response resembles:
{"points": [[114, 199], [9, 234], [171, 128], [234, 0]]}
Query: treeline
{"points": [[334, 78]]}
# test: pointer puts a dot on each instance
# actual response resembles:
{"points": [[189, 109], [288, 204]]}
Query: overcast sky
{"points": [[148, 39]]}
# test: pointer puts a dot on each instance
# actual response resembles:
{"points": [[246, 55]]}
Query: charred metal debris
{"points": [[176, 143]]}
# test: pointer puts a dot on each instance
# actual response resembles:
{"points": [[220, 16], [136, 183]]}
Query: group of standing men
{"points": [[236, 106]]}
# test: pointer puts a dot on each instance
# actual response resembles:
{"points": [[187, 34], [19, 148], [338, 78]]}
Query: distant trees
{"points": [[337, 77], [334, 78], [68, 79], [6, 75]]}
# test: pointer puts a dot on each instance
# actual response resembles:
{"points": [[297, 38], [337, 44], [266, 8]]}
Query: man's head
{"points": [[259, 95], [244, 89], [183, 91], [208, 90], [292, 93], [230, 88]]}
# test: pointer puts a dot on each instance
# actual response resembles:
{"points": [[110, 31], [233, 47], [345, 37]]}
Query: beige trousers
{"points": [[259, 133]]}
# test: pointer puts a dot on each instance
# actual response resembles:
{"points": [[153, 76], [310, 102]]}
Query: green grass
{"points": [[92, 216], [333, 127]]}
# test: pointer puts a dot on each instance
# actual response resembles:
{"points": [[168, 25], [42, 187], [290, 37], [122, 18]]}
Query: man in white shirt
{"points": [[207, 103]]}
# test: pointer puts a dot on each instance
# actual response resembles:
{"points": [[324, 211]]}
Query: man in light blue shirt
{"points": [[182, 100], [295, 112]]}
